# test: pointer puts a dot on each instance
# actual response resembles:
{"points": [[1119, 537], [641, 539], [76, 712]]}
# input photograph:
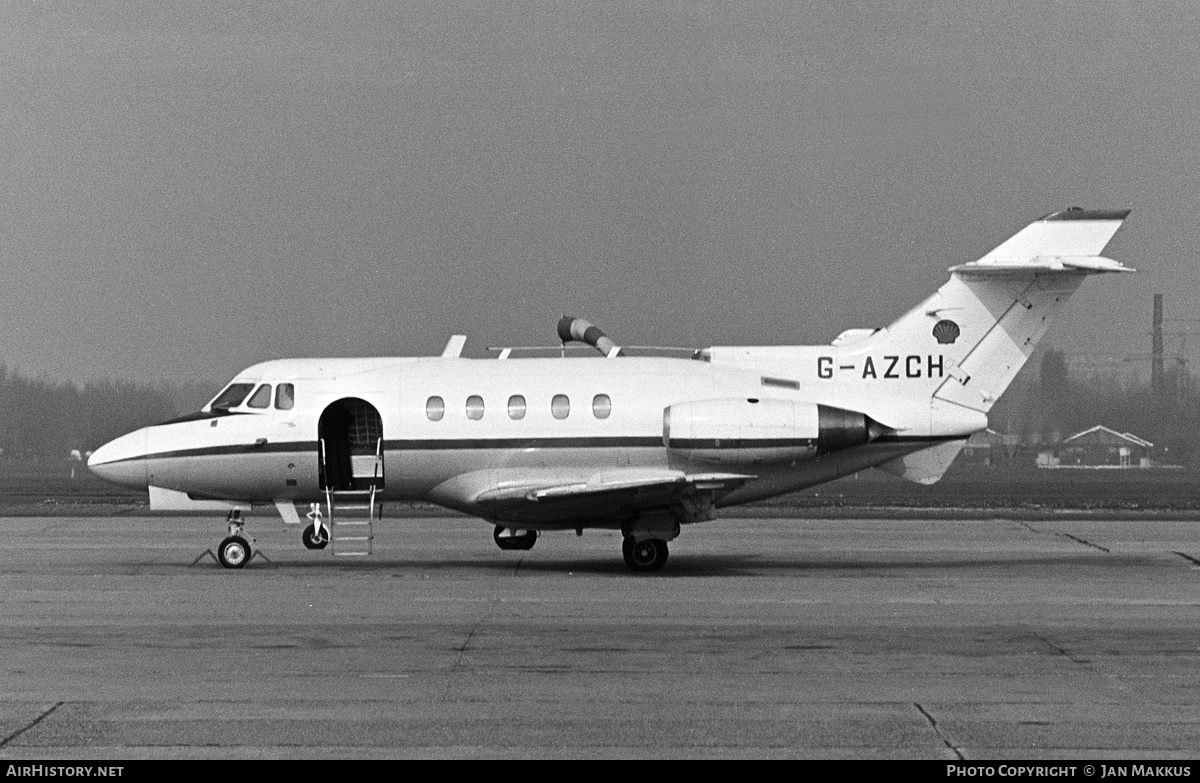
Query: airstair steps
{"points": [[350, 522], [352, 512]]}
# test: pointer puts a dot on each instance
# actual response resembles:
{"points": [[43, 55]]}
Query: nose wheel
{"points": [[235, 551]]}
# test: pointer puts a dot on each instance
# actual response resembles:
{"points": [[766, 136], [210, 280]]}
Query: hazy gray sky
{"points": [[192, 187]]}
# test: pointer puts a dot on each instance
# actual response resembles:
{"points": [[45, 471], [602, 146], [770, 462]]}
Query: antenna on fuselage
{"points": [[585, 332], [454, 346]]}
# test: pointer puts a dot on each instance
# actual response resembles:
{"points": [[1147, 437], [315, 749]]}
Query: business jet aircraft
{"points": [[643, 445]]}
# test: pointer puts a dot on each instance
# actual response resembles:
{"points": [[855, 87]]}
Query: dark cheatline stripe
{"points": [[916, 439], [309, 447], [289, 447], [524, 443], [743, 443]]}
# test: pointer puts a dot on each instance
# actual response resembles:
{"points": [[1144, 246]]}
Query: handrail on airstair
{"points": [[349, 495]]}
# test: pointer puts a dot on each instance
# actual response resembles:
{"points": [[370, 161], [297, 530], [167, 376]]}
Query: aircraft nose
{"points": [[122, 461]]}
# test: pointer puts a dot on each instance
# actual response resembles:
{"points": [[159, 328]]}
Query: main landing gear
{"points": [[235, 551], [511, 538], [646, 537], [649, 554]]}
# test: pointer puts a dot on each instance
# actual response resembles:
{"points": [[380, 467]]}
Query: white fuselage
{"points": [[640, 444], [502, 423]]}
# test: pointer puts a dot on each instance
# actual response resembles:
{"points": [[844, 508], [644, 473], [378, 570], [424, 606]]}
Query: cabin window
{"points": [[474, 407], [516, 407], [232, 397], [435, 408], [560, 406], [261, 398], [285, 396], [601, 406]]}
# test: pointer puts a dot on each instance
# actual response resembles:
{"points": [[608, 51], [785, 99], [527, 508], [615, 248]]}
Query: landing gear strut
{"points": [[316, 535], [649, 554], [235, 551], [510, 538]]}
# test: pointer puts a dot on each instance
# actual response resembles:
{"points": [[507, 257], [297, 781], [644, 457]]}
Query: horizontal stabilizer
{"points": [[1092, 263], [1086, 264], [1071, 239]]}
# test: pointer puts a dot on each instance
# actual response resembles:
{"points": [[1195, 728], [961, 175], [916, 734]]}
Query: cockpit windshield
{"points": [[261, 398], [231, 397]]}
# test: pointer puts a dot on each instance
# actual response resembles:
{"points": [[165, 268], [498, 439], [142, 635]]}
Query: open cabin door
{"points": [[351, 443], [351, 446]]}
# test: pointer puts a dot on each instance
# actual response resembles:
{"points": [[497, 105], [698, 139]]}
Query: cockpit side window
{"points": [[261, 398], [285, 396], [232, 396]]}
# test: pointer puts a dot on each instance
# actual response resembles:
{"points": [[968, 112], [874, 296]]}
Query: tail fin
{"points": [[965, 343]]}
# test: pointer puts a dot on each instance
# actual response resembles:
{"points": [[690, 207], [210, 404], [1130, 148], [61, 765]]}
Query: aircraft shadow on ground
{"points": [[708, 565]]}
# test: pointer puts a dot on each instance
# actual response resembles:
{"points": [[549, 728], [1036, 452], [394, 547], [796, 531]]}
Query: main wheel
{"points": [[310, 539], [234, 552], [524, 541], [649, 554]]}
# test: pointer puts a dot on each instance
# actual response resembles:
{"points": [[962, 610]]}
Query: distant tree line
{"points": [[1047, 403], [47, 420]]}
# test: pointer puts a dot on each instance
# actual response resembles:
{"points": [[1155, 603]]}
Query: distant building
{"points": [[1099, 447]]}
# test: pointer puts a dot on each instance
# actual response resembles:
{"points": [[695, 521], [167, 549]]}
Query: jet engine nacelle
{"points": [[753, 430]]}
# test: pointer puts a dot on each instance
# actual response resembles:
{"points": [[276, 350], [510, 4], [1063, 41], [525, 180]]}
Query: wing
{"points": [[611, 495]]}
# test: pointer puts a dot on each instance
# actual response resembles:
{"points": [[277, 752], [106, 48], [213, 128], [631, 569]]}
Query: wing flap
{"points": [[606, 494]]}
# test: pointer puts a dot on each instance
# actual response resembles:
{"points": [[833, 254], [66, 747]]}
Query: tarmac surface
{"points": [[984, 639]]}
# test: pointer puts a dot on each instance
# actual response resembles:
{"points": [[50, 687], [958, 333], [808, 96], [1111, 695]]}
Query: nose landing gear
{"points": [[235, 551]]}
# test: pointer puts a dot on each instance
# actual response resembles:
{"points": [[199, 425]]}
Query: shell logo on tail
{"points": [[946, 331]]}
